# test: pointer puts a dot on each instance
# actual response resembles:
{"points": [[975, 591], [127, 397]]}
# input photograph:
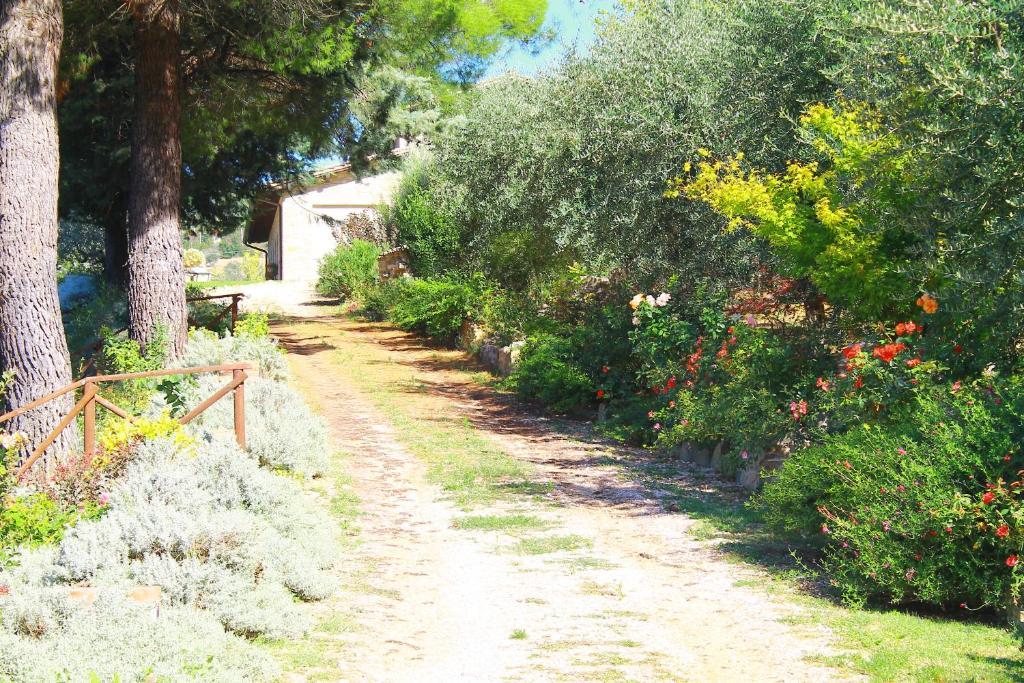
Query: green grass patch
{"points": [[894, 646], [500, 522], [518, 634], [543, 545], [216, 284]]}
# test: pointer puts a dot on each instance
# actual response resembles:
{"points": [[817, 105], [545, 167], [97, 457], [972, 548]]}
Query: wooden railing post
{"points": [[234, 312], [89, 429], [239, 376]]}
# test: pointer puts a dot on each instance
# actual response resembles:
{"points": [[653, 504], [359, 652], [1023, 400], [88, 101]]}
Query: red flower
{"points": [[731, 330], [913, 362], [988, 498], [1003, 531], [671, 383], [852, 350], [949, 529], [600, 393], [605, 369], [917, 556], [887, 352], [901, 329], [933, 533], [859, 382], [958, 349], [822, 384], [1011, 561]]}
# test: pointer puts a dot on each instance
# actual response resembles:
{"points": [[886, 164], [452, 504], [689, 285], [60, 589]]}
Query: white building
{"points": [[296, 224]]}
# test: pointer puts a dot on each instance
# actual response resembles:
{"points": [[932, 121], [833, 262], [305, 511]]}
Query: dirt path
{"points": [[606, 583]]}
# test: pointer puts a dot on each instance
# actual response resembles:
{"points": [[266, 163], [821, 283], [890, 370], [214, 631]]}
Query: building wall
{"points": [[274, 248], [306, 221]]}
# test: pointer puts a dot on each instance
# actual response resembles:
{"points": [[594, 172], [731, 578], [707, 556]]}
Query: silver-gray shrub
{"points": [[281, 430], [206, 348], [216, 531], [45, 636]]}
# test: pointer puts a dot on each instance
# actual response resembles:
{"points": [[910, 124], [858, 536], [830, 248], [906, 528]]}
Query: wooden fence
{"points": [[231, 308], [90, 387]]}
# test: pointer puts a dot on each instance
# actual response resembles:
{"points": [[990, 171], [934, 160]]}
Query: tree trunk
{"points": [[115, 244], [156, 270], [32, 341]]}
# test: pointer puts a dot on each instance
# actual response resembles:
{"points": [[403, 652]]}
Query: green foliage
{"points": [[253, 326], [828, 222], [292, 104], [548, 372], [571, 166], [348, 271], [419, 222], [35, 520], [121, 354], [437, 308]]}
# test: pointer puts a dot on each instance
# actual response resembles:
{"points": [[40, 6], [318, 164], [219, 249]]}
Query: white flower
{"points": [[990, 371], [636, 320], [12, 441], [651, 301], [663, 299]]}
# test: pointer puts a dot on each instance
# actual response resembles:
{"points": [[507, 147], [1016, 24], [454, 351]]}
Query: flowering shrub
{"points": [[924, 508], [734, 388]]}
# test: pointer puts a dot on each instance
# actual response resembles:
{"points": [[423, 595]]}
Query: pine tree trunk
{"points": [[156, 270], [32, 341]]}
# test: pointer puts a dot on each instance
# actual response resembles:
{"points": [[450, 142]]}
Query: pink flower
{"points": [[886, 526], [956, 386], [745, 455], [657, 426], [650, 414], [901, 451], [104, 499]]}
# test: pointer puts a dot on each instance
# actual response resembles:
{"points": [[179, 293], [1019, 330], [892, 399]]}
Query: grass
{"points": [[500, 522], [894, 646], [543, 545], [518, 634]]}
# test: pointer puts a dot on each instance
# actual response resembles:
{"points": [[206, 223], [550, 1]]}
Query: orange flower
{"points": [[928, 303], [913, 362]]}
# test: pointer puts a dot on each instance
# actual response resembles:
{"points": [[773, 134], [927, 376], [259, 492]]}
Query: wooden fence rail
{"points": [[231, 308], [90, 387]]}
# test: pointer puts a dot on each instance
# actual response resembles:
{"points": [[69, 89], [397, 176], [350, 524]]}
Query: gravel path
{"points": [[638, 599]]}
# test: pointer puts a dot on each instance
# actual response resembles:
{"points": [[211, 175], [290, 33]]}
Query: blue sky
{"points": [[573, 22]]}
